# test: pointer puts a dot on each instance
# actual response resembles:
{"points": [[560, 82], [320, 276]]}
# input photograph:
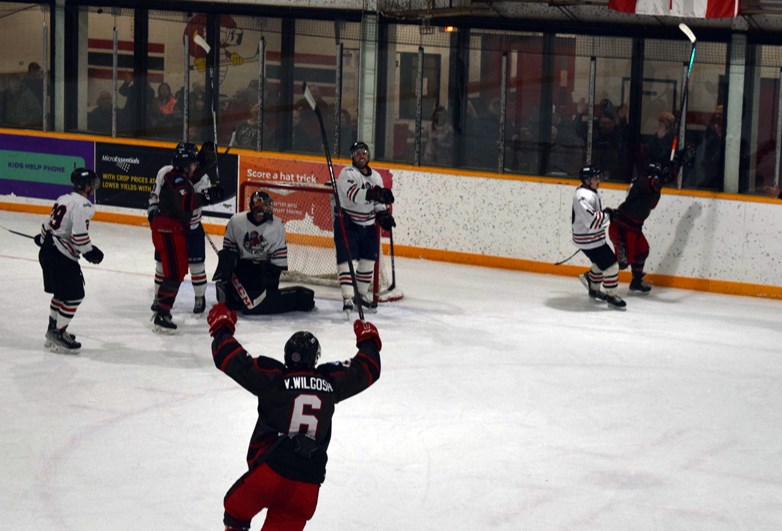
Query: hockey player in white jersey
{"points": [[364, 201], [253, 256], [589, 221], [63, 239], [196, 249]]}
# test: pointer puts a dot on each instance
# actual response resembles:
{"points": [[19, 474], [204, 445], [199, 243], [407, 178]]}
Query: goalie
{"points": [[253, 256]]}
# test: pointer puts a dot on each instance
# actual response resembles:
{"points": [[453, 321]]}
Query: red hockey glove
{"points": [[221, 316], [366, 331]]}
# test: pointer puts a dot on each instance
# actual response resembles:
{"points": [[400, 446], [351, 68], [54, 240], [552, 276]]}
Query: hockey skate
{"points": [[200, 305], [62, 342], [53, 328], [369, 305], [347, 305], [638, 285], [162, 323], [595, 294], [616, 302]]}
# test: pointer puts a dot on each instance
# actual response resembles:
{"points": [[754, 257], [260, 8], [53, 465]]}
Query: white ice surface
{"points": [[507, 401]]}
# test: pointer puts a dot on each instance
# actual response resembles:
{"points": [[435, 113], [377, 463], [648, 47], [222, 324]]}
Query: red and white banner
{"points": [[678, 8]]}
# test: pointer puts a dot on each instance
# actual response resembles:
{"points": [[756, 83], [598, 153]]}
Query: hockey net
{"points": [[306, 211]]}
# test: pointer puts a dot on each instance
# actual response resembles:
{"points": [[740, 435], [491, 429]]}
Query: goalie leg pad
{"points": [[292, 299]]}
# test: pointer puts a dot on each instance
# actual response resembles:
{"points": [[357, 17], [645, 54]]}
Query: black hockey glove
{"points": [[213, 195], [152, 213], [380, 195], [385, 220], [38, 239], [366, 331], [685, 157], [94, 255], [609, 212]]}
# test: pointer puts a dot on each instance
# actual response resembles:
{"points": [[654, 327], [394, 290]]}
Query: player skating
{"points": [[253, 256], [589, 222], [178, 199], [63, 239], [364, 200], [288, 449], [196, 249]]}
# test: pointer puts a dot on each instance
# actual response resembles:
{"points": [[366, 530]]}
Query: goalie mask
{"points": [[83, 178], [261, 205], [302, 351]]}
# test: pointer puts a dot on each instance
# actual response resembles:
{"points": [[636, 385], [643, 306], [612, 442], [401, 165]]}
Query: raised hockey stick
{"points": [[568, 258], [683, 100], [314, 105], [201, 43], [18, 233]]}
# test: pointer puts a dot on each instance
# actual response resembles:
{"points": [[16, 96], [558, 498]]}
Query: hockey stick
{"points": [[219, 158], [338, 207], [691, 36], [568, 258], [391, 250], [249, 303], [199, 40], [18, 233]]}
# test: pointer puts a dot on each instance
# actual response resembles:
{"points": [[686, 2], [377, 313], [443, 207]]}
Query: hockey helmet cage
{"points": [[84, 177], [185, 154], [260, 201], [588, 172], [359, 145], [302, 351]]}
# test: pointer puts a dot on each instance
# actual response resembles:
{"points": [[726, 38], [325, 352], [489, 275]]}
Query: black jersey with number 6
{"points": [[295, 406]]}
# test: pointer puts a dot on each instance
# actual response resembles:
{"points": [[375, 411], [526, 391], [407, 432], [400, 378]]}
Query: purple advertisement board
{"points": [[39, 167]]}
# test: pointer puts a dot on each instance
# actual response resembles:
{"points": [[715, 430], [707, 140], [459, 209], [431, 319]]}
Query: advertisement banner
{"points": [[41, 168], [129, 173]]}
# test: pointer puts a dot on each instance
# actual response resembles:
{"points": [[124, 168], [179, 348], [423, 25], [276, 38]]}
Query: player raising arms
{"points": [[363, 200], [177, 201], [296, 399], [589, 222], [62, 240]]}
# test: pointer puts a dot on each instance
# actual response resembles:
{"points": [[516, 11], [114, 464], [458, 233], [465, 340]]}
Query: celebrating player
{"points": [[363, 200], [288, 449], [62, 240], [589, 222], [178, 199], [253, 256], [196, 250]]}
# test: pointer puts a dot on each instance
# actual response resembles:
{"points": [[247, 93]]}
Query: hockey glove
{"points": [[213, 195], [366, 331], [385, 220], [94, 255], [38, 239], [221, 318], [152, 213], [685, 157], [380, 195], [609, 212]]}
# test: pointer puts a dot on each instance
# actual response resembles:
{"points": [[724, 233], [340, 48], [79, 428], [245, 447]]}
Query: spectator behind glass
{"points": [[247, 131], [34, 81], [608, 152], [709, 157], [660, 145], [21, 107], [439, 141], [483, 136], [132, 109], [99, 119]]}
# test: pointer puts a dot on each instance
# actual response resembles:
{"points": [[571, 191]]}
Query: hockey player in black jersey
{"points": [[253, 256], [288, 449], [63, 239]]}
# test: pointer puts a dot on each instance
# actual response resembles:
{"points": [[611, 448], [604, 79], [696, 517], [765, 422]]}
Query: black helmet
{"points": [[83, 177], [185, 154], [358, 145], [260, 201], [587, 172], [302, 351]]}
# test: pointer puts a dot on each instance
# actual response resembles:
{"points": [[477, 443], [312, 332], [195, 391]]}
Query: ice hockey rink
{"points": [[507, 400]]}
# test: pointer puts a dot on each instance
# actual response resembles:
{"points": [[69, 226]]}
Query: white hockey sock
{"points": [[345, 282], [198, 277], [66, 311], [158, 276], [364, 273]]}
